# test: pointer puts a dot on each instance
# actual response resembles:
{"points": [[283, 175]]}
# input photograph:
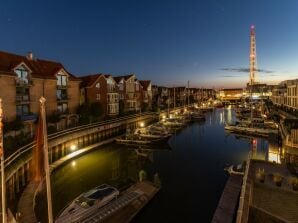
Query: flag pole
{"points": [[46, 158], [3, 195]]}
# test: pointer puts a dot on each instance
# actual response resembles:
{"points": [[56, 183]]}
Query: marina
{"points": [[128, 164]]}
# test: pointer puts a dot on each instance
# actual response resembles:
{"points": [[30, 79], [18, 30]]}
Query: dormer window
{"points": [[97, 85], [61, 80], [22, 74]]}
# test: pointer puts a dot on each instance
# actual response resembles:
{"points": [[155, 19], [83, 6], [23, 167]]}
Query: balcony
{"points": [[63, 86], [111, 90], [29, 117], [22, 82], [22, 99], [61, 98]]}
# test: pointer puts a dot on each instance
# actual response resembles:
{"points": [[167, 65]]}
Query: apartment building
{"points": [[146, 94], [285, 95], [129, 90], [24, 79], [279, 94], [103, 89]]}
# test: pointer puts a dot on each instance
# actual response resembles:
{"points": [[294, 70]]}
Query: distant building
{"points": [[285, 95], [259, 91], [129, 93], [24, 79], [103, 89], [146, 94], [231, 94]]}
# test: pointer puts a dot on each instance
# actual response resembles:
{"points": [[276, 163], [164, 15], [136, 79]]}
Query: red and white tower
{"points": [[252, 56]]}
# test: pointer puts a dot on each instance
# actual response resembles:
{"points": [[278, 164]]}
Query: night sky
{"points": [[167, 41]]}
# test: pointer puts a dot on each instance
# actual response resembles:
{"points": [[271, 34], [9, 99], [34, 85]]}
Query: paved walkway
{"points": [[227, 205], [79, 152], [26, 204]]}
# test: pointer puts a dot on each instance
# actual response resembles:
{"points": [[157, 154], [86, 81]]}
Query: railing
{"points": [[29, 117], [241, 209], [22, 98], [31, 145]]}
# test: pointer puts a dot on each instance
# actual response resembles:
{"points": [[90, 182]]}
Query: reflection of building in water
{"points": [[274, 152]]}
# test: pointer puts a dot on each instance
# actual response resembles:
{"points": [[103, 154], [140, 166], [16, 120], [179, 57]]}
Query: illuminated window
{"points": [[97, 85], [97, 97]]}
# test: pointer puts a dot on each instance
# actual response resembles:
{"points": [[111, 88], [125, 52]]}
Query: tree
{"points": [[16, 125], [96, 110], [144, 106], [84, 113]]}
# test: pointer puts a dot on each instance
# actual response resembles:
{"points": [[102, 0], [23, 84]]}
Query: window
{"points": [[61, 94], [61, 80], [62, 107], [97, 97], [22, 110], [121, 86], [22, 74], [97, 85], [137, 86]]}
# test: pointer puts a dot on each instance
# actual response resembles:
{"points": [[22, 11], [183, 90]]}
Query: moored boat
{"points": [[87, 202]]}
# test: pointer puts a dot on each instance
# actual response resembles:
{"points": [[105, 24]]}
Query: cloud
{"points": [[230, 76], [245, 70]]}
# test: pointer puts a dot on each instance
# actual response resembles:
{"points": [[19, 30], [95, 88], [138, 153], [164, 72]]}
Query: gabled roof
{"points": [[145, 83], [89, 80], [125, 77], [40, 68]]}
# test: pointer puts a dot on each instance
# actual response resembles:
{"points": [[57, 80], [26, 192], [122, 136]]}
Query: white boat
{"points": [[145, 133], [251, 130], [87, 202]]}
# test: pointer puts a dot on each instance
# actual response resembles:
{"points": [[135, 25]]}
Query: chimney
{"points": [[30, 56]]}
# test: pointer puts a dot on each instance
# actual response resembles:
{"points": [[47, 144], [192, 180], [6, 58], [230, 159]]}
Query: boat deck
{"points": [[123, 209]]}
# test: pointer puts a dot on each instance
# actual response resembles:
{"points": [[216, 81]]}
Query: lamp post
{"points": [[3, 194]]}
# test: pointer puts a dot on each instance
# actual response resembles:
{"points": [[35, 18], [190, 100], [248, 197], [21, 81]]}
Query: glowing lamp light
{"points": [[254, 142], [163, 117], [73, 163], [142, 124], [73, 147]]}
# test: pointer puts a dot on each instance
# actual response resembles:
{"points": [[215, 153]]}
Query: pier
{"points": [[227, 206]]}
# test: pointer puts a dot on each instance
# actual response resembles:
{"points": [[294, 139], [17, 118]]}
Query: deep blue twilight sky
{"points": [[167, 41]]}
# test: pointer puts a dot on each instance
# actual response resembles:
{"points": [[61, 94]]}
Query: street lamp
{"points": [[73, 147]]}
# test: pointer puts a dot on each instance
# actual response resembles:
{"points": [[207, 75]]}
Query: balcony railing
{"points": [[62, 97], [62, 86], [29, 117], [22, 98], [22, 82]]}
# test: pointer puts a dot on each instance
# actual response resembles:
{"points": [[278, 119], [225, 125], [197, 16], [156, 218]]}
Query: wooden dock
{"points": [[227, 206]]}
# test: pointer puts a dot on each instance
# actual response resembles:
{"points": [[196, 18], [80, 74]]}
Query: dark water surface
{"points": [[191, 172]]}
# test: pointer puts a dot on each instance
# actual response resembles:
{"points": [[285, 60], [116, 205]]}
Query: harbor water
{"points": [[191, 171]]}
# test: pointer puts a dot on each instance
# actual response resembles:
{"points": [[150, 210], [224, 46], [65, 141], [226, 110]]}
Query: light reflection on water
{"points": [[191, 172]]}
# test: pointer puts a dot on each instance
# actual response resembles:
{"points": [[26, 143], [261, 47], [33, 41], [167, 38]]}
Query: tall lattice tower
{"points": [[252, 56]]}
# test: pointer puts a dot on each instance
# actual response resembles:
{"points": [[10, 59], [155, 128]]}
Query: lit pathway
{"points": [[79, 152], [26, 204]]}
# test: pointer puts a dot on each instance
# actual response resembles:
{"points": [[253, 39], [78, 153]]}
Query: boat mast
{"points": [[3, 194], [187, 93], [174, 99], [46, 159]]}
